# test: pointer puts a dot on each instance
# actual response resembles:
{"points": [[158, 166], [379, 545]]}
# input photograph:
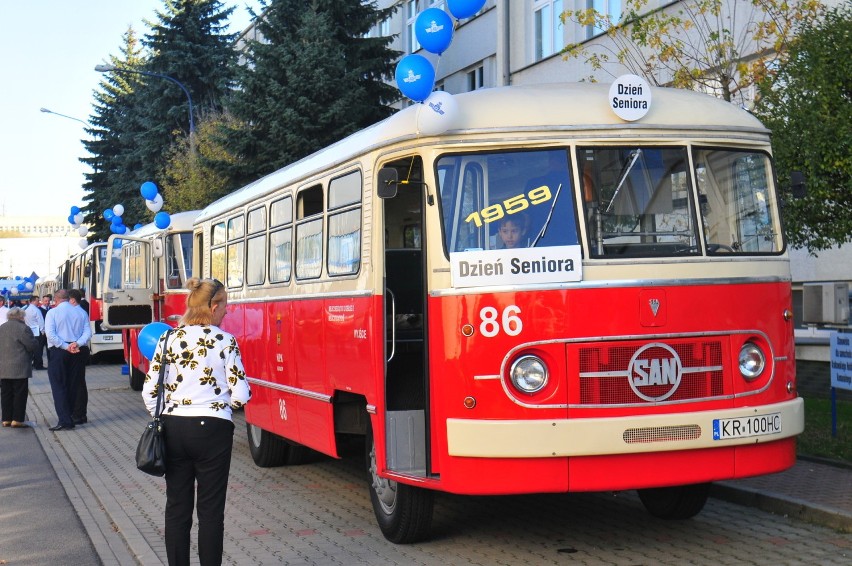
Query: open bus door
{"points": [[128, 297], [404, 512], [129, 300]]}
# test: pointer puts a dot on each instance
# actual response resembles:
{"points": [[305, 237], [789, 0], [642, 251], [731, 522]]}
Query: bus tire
{"points": [[403, 512], [137, 379], [267, 450], [678, 502]]}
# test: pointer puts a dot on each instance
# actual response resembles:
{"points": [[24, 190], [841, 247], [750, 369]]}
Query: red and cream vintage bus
{"points": [[86, 271], [544, 298], [148, 284]]}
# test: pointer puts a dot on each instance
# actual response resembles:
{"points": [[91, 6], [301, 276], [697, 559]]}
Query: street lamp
{"points": [[45, 110], [108, 68]]}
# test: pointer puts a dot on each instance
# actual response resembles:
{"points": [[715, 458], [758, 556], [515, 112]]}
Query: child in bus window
{"points": [[512, 232]]}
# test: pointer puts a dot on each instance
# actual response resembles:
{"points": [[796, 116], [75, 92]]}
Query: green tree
{"points": [[717, 46], [188, 43], [807, 104], [109, 139], [187, 178], [313, 79]]}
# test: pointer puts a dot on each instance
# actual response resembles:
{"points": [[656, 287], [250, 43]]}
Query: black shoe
{"points": [[84, 420], [61, 427]]}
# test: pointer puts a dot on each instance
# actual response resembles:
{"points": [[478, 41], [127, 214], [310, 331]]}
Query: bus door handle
{"points": [[392, 323], [173, 317]]}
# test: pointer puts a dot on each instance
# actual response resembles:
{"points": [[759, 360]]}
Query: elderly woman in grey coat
{"points": [[17, 344]]}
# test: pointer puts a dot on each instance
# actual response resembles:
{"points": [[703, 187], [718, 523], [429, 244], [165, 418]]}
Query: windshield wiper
{"points": [[634, 157], [549, 216]]}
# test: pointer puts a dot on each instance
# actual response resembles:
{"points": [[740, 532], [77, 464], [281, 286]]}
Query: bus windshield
{"points": [[639, 202], [178, 259], [512, 199]]}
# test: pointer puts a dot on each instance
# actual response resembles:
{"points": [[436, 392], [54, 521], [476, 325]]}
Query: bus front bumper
{"points": [[550, 438]]}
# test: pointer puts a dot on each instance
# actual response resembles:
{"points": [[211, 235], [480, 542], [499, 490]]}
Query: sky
{"points": [[52, 47]]}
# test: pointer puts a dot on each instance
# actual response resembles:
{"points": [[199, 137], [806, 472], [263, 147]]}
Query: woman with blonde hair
{"points": [[204, 382], [17, 343]]}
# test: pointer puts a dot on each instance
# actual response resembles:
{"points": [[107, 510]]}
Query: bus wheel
{"points": [[679, 502], [267, 450], [137, 378], [404, 513], [270, 450]]}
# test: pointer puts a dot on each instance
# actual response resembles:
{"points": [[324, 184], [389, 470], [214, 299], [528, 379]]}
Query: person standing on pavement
{"points": [[17, 343], [67, 330], [79, 412], [35, 319], [204, 382], [4, 310]]}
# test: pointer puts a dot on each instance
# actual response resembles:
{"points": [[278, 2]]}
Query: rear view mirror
{"points": [[797, 184], [387, 182]]}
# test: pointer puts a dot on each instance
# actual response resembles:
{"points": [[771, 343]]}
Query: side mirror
{"points": [[157, 247], [388, 181], [797, 184]]}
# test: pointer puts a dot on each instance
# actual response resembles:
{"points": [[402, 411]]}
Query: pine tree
{"points": [[110, 140], [312, 80], [187, 43]]}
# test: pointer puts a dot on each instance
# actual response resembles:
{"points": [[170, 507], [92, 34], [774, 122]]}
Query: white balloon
{"points": [[28, 285], [156, 204], [83, 243], [83, 230], [118, 210], [437, 114], [78, 218]]}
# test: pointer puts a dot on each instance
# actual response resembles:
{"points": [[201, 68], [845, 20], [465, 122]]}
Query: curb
{"points": [[784, 505]]}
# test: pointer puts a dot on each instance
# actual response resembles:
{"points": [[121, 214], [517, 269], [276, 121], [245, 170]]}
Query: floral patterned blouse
{"points": [[204, 376]]}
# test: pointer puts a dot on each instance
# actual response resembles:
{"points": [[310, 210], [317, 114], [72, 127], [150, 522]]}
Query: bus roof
{"points": [[530, 108], [180, 222]]}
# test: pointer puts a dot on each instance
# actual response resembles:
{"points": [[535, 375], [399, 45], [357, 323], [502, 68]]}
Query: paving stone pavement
{"points": [[276, 516]]}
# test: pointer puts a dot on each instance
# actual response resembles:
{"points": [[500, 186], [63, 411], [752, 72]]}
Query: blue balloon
{"points": [[75, 210], [148, 190], [434, 30], [462, 9], [148, 337], [137, 226], [162, 220], [108, 214], [116, 244], [415, 77], [116, 219], [120, 228], [71, 219]]}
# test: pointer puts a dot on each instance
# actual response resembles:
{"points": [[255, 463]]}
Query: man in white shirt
{"points": [[4, 310], [34, 319]]}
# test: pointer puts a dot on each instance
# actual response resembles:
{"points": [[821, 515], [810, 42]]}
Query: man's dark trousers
{"points": [[79, 409], [63, 371]]}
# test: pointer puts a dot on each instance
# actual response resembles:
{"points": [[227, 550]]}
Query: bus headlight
{"points": [[752, 361], [529, 374]]}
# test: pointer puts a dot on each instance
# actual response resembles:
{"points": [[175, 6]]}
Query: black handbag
{"points": [[151, 451]]}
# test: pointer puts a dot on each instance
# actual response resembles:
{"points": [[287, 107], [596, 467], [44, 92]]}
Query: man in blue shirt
{"points": [[68, 330]]}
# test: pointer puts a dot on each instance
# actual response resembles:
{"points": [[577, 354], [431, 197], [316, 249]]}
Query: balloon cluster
{"points": [[19, 285], [154, 202], [116, 223], [76, 220], [415, 75]]}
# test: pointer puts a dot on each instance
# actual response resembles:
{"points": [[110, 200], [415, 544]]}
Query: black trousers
{"points": [[13, 399], [64, 370], [198, 451], [38, 355], [81, 401]]}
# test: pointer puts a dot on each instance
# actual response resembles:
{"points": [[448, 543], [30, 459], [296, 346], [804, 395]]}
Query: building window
{"points": [[608, 10], [476, 78], [547, 32], [410, 17]]}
